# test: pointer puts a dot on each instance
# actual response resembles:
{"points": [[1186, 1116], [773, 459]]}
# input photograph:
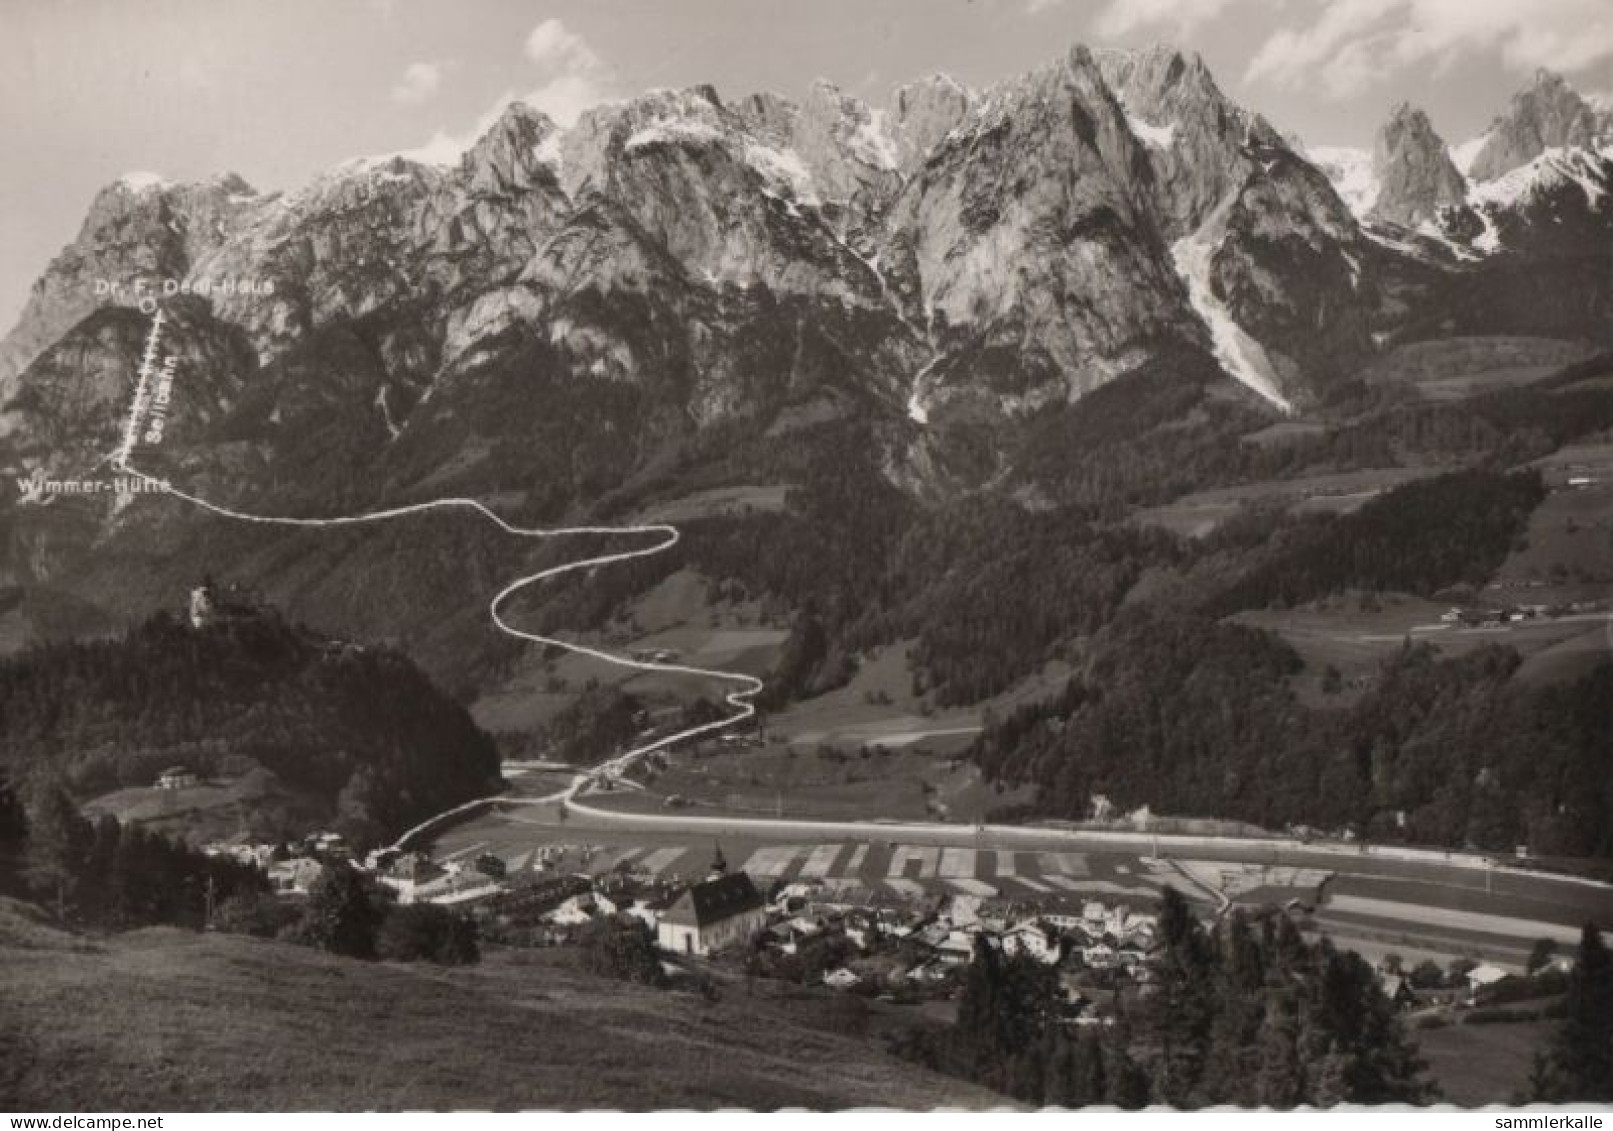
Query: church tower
{"points": [[719, 866]]}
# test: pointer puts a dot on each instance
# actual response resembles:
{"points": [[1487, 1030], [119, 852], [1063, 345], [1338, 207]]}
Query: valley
{"points": [[996, 574]]}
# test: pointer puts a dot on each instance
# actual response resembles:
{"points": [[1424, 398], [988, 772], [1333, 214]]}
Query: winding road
{"points": [[1451, 870], [666, 536]]}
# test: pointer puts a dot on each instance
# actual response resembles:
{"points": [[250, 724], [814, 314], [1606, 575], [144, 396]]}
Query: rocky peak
{"points": [[924, 112], [1413, 170], [518, 152], [692, 115], [1197, 140], [844, 142], [139, 226], [769, 116], [1548, 113]]}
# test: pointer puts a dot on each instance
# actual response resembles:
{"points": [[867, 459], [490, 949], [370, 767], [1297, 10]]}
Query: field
{"points": [[1453, 368], [1482, 1064], [673, 617], [1196, 515], [255, 802], [717, 500], [1355, 635], [901, 782], [894, 865], [1569, 550], [878, 707], [184, 1021]]}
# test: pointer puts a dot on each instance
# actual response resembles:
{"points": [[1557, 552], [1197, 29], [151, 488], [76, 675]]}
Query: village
{"points": [[902, 947], [906, 947]]}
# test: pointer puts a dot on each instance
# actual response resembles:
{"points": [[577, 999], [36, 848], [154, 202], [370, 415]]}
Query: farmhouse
{"points": [[294, 876], [721, 911], [1481, 978], [176, 777], [1032, 939]]}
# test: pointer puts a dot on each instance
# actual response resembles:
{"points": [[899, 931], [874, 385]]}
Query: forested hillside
{"points": [[1249, 1014], [359, 730], [1193, 716]]}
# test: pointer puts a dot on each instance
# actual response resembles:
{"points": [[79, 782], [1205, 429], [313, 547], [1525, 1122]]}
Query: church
{"points": [[722, 910]]}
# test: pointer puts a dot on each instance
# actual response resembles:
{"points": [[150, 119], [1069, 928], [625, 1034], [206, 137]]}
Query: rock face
{"points": [[1538, 202], [1546, 114], [557, 315], [1413, 170], [1002, 248], [136, 227], [1269, 252]]}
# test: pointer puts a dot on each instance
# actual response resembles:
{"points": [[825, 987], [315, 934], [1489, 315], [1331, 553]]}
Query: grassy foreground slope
{"points": [[168, 1019]]}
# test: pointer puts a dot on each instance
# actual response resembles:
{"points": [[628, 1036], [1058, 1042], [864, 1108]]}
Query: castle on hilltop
{"points": [[209, 604]]}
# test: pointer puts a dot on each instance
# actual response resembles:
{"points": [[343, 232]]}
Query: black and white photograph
{"points": [[818, 556]]}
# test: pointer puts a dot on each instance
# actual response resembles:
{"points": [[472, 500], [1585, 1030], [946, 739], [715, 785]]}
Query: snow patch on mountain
{"points": [[548, 153], [1463, 156], [1239, 354], [671, 133], [1556, 166], [872, 144], [1350, 169], [139, 182], [386, 413], [783, 168], [1160, 137]]}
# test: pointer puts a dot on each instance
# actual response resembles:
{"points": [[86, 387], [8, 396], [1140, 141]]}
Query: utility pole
{"points": [[210, 894]]}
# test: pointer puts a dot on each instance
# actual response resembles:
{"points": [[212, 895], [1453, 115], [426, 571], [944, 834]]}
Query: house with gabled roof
{"points": [[721, 911]]}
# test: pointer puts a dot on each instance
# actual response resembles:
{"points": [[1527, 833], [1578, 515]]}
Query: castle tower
{"points": [[202, 604]]}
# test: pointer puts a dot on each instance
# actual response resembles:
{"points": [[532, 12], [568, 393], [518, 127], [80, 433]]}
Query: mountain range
{"points": [[566, 321]]}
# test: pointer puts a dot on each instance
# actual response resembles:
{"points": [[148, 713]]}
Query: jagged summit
{"points": [[1537, 181], [1000, 248], [1548, 113], [1413, 171]]}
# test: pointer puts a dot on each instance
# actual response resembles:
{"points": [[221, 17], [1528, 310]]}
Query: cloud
{"points": [[420, 81], [1121, 17], [574, 75], [1345, 47], [1353, 44]]}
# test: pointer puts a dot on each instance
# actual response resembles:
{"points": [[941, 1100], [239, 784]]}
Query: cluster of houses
{"points": [[292, 868], [1502, 615], [879, 940], [1465, 985], [933, 941], [876, 935]]}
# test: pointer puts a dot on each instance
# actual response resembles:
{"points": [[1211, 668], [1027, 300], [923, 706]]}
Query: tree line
{"points": [[1247, 1013], [1193, 716], [359, 728]]}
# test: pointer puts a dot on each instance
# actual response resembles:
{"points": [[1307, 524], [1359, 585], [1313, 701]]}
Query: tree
{"points": [[424, 932], [58, 842], [1541, 954], [1579, 1063], [257, 913], [13, 835], [342, 914], [619, 946], [1426, 975]]}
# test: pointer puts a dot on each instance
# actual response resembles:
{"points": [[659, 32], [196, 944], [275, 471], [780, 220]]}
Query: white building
{"points": [[1031, 939], [712, 915]]}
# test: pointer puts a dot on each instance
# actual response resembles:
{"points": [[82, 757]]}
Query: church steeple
{"points": [[719, 866]]}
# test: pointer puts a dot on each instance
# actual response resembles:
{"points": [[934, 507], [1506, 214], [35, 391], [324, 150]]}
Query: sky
{"points": [[277, 90]]}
